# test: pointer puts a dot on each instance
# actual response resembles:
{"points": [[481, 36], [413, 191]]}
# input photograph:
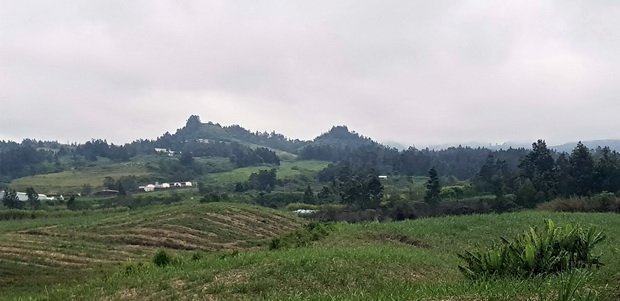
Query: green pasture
{"points": [[408, 260], [286, 170], [72, 181]]}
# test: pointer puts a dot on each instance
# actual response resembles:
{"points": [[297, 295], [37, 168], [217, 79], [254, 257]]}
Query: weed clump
{"points": [[535, 253], [132, 268], [162, 259], [313, 231]]}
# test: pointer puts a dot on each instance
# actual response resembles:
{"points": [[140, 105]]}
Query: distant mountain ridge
{"points": [[195, 130], [613, 144]]}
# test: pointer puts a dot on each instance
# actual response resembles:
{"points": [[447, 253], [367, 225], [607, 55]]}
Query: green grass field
{"points": [[286, 170], [409, 260], [71, 181], [40, 253]]}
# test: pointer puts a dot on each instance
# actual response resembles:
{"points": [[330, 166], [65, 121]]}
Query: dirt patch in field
{"points": [[127, 294], [177, 284], [222, 282], [232, 277]]}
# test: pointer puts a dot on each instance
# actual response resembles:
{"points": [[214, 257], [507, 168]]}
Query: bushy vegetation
{"points": [[162, 259], [313, 231], [603, 202], [535, 253]]}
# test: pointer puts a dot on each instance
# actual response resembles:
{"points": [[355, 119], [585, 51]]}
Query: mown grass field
{"points": [[409, 260], [286, 170], [39, 253], [72, 181]]}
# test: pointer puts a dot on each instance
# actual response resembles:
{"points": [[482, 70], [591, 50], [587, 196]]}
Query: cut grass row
{"points": [[45, 252], [410, 260]]}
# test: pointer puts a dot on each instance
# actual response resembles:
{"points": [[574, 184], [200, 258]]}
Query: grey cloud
{"points": [[416, 72]]}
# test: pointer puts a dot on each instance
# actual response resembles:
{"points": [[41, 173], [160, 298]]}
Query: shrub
{"points": [[214, 198], [197, 256], [602, 202], [162, 259], [297, 206], [551, 250], [313, 231], [131, 268], [278, 199]]}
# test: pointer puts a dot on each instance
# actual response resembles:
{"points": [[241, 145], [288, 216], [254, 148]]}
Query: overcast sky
{"points": [[414, 72]]}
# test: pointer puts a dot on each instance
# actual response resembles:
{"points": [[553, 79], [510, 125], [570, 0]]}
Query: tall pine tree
{"points": [[433, 188]]}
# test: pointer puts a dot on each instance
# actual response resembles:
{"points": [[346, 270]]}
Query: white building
{"points": [[164, 151], [22, 196]]}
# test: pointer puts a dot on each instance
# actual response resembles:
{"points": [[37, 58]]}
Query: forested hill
{"points": [[196, 131], [242, 148], [341, 136]]}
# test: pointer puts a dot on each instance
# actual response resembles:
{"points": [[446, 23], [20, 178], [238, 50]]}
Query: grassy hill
{"points": [[286, 170], [409, 260], [43, 252], [71, 181]]}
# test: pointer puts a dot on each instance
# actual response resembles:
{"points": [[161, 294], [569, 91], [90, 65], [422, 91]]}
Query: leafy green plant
{"points": [[551, 250]]}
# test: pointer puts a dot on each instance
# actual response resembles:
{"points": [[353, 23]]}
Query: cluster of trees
{"points": [[460, 162], [222, 142], [263, 180], [543, 175], [100, 148], [23, 159], [11, 201], [362, 190], [245, 156], [123, 184]]}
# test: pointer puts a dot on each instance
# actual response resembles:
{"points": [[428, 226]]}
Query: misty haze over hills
{"points": [[613, 144]]}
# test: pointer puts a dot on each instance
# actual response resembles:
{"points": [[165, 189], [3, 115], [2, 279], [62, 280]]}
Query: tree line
{"points": [[541, 176]]}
